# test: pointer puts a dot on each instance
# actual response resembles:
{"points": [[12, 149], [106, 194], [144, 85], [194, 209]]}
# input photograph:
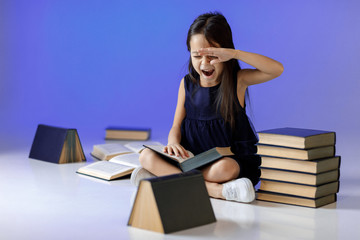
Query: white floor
{"points": [[40, 200]]}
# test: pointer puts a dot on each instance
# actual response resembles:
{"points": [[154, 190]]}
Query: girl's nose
{"points": [[206, 60]]}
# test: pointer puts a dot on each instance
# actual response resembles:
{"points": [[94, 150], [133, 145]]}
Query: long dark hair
{"points": [[217, 31]]}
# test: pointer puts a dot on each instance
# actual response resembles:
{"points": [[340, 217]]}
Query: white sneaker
{"points": [[240, 190], [138, 174]]}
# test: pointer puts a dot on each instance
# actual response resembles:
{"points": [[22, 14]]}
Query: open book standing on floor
{"points": [[187, 164]]}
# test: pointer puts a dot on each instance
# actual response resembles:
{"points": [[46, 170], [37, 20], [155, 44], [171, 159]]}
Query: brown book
{"points": [[300, 154], [311, 166], [295, 200], [299, 177], [125, 133], [299, 189], [172, 203], [297, 137]]}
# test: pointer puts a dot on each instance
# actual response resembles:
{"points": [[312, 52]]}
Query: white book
{"points": [[106, 170], [116, 167], [131, 159], [117, 160], [109, 150], [138, 146]]}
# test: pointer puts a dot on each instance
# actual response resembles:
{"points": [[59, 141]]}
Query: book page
{"points": [[105, 168], [131, 159], [138, 146], [111, 148]]}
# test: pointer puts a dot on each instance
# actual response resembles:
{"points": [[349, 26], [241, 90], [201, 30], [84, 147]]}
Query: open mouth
{"points": [[208, 73]]}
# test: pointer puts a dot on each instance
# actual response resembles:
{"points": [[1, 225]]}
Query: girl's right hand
{"points": [[177, 150]]}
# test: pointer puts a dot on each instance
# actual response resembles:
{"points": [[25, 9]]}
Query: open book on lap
{"points": [[193, 162]]}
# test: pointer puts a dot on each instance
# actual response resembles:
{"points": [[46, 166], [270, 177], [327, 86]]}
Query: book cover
{"points": [[172, 203], [194, 162], [297, 137], [56, 145], [295, 200]]}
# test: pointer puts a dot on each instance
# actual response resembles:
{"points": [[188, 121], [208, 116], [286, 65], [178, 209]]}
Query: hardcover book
{"points": [[300, 154], [299, 177], [295, 200], [311, 166], [56, 145], [187, 164], [126, 133], [107, 151], [299, 189], [297, 137], [116, 167], [172, 203]]}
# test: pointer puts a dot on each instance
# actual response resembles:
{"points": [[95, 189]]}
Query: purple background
{"points": [[90, 64]]}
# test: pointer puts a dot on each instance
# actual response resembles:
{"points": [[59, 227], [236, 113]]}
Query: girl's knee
{"points": [[230, 169], [147, 159], [222, 171]]}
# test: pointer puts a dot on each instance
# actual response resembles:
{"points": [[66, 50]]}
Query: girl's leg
{"points": [[151, 165], [221, 171], [219, 179], [152, 162]]}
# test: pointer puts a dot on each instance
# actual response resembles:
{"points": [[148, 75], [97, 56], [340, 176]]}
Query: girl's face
{"points": [[208, 73]]}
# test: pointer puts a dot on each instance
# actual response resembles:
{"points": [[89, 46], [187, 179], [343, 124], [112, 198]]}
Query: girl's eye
{"points": [[213, 57], [197, 57]]}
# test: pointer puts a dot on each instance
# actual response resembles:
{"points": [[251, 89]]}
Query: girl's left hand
{"points": [[221, 54]]}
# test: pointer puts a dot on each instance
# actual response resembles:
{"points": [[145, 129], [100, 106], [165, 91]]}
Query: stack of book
{"points": [[299, 167]]}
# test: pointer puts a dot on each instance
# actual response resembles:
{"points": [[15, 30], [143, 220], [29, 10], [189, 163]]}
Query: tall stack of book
{"points": [[299, 167]]}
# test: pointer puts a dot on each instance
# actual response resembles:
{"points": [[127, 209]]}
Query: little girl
{"points": [[210, 112]]}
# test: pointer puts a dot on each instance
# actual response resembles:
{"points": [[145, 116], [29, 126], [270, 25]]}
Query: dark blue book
{"points": [[297, 137], [300, 177], [296, 153], [127, 133], [56, 145], [296, 200], [301, 190], [193, 162], [172, 203], [310, 166]]}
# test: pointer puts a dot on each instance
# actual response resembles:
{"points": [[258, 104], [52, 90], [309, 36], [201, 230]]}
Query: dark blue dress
{"points": [[204, 128]]}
